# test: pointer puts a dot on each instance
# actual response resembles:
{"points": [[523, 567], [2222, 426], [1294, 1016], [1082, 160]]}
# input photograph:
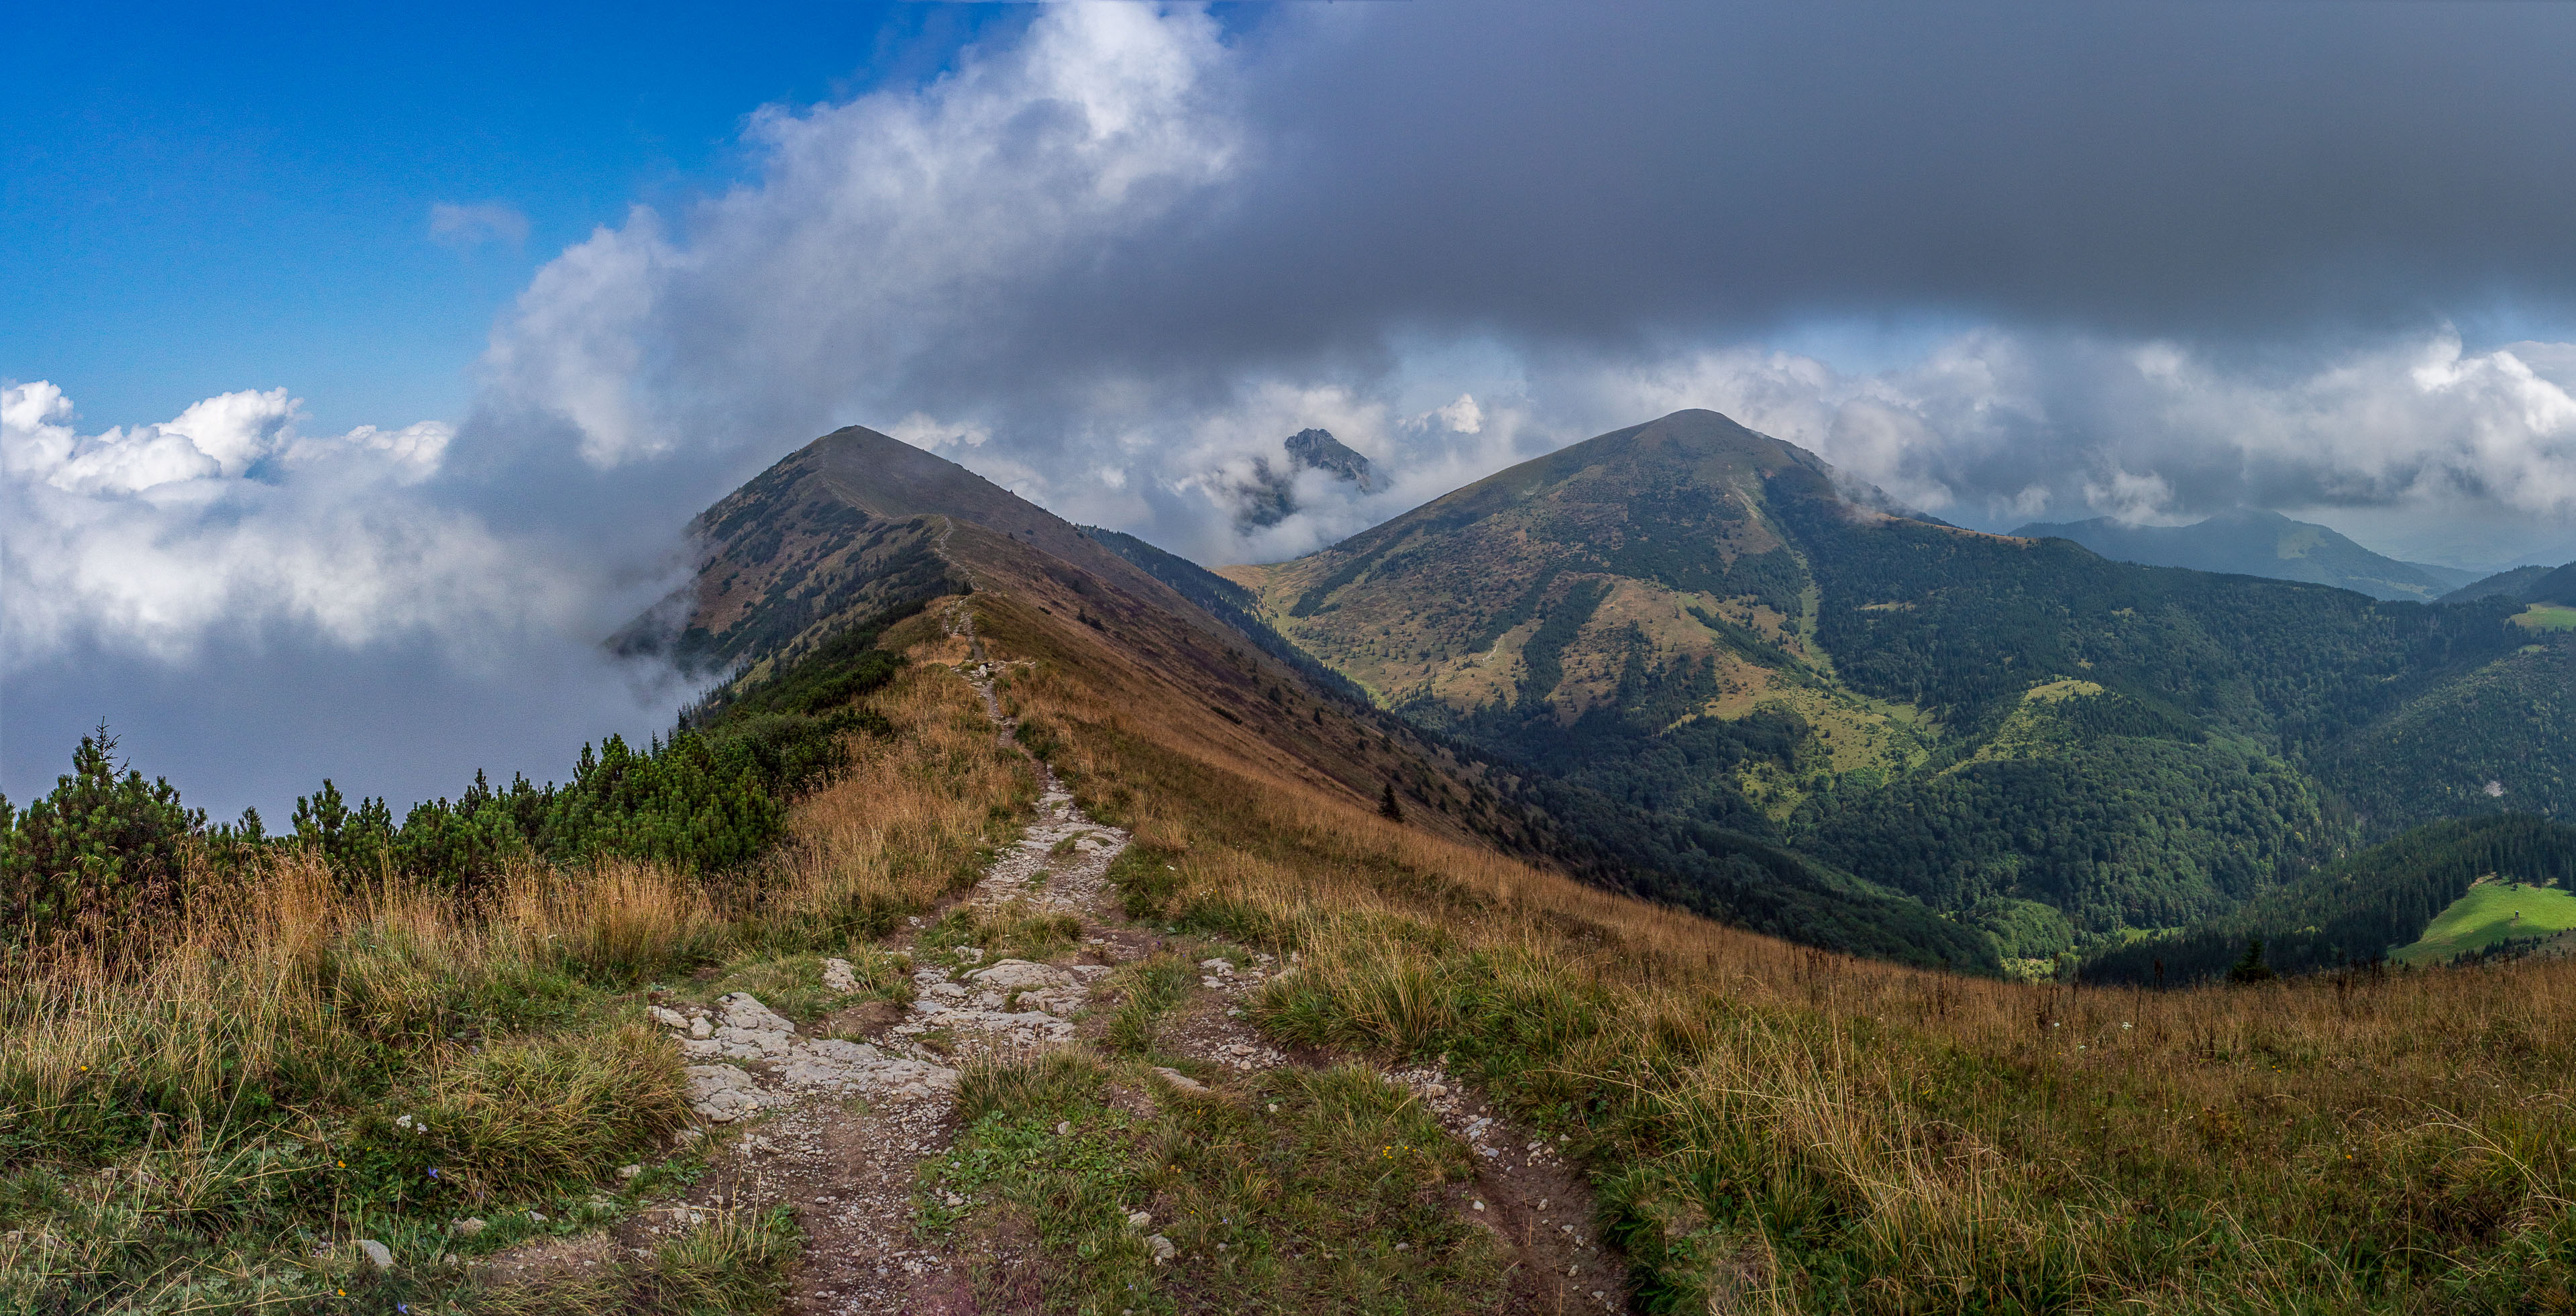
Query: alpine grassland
{"points": [[1776, 1128], [277, 1054]]}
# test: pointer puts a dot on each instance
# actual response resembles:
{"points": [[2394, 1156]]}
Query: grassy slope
{"points": [[213, 1132], [1594, 614], [2491, 912], [1780, 1128], [1770, 1127]]}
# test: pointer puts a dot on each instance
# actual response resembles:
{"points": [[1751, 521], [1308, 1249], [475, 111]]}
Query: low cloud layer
{"points": [[1993, 428], [2174, 259], [254, 605]]}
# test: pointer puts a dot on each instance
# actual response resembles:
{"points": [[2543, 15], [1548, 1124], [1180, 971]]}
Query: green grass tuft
{"points": [[1294, 1198]]}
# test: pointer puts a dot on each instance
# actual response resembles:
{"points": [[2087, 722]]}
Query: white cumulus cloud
{"points": [[227, 517], [886, 238]]}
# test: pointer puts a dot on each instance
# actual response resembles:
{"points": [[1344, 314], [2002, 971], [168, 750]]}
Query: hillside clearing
{"points": [[2547, 617], [2493, 911]]}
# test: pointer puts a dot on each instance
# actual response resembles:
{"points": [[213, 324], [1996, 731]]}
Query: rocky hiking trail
{"points": [[836, 1121]]}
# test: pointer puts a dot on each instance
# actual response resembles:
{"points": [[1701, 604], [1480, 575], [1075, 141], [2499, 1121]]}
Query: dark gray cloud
{"points": [[1595, 171], [2151, 260]]}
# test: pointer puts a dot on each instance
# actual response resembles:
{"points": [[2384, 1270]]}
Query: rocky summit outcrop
{"points": [[1270, 496]]}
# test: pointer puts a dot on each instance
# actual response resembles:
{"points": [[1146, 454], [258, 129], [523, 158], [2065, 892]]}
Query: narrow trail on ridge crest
{"points": [[839, 1121]]}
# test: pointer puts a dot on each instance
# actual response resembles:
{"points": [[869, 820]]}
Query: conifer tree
{"points": [[100, 850], [2251, 968]]}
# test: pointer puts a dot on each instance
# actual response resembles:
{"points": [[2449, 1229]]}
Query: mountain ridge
{"points": [[2254, 542], [1707, 623], [1693, 661], [805, 537]]}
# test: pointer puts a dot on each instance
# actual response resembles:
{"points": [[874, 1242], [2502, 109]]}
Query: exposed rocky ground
{"points": [[838, 1127]]}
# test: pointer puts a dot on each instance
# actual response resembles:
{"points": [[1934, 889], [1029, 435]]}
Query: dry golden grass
{"points": [[246, 1076], [288, 952], [1784, 1128], [904, 825]]}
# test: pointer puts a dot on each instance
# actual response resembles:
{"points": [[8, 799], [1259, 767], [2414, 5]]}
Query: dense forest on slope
{"points": [[2510, 583], [2352, 911], [1710, 627], [2501, 737], [1986, 617], [2119, 832], [2403, 712], [1743, 881]]}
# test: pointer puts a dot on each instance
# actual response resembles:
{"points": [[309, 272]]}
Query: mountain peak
{"points": [[1270, 496], [1318, 450], [855, 522]]}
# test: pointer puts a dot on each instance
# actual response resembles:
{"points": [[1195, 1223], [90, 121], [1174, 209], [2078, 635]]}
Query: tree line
{"points": [[106, 848]]}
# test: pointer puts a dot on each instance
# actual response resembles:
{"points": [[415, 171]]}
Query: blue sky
{"points": [[198, 198], [303, 479]]}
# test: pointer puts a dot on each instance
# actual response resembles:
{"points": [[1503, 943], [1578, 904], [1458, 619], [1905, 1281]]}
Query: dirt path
{"points": [[839, 1120]]}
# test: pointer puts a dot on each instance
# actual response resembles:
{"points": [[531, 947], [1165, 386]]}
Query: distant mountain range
{"points": [[1697, 622], [2249, 542], [1695, 663]]}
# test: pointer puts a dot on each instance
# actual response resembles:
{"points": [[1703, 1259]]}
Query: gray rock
{"points": [[839, 976], [378, 1255], [467, 1227], [744, 1010], [1162, 1248]]}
